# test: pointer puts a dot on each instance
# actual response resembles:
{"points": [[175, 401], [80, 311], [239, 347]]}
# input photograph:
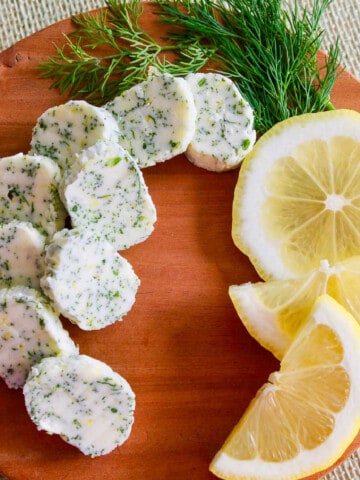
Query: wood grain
{"points": [[191, 363]]}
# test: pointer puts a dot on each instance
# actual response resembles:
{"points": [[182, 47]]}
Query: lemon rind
{"points": [[326, 312]]}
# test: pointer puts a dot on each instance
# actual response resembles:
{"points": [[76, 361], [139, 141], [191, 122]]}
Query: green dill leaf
{"points": [[109, 52], [269, 50]]}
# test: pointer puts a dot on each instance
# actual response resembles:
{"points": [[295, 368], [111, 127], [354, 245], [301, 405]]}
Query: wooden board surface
{"points": [[182, 347]]}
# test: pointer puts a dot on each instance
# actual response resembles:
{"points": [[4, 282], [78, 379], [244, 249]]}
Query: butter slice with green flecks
{"points": [[29, 192], [22, 248], [156, 118], [83, 400], [88, 281], [29, 331], [109, 196], [224, 129], [64, 130]]}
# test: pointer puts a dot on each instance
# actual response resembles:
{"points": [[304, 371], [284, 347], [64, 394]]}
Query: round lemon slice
{"points": [[273, 311], [297, 199], [307, 414]]}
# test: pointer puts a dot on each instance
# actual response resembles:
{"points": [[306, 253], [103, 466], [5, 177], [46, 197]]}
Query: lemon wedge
{"points": [[307, 414], [273, 311], [297, 199]]}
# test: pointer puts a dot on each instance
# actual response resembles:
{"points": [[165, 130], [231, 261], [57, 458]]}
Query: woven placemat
{"points": [[21, 18]]}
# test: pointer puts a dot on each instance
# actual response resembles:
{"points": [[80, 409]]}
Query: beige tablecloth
{"points": [[20, 18]]}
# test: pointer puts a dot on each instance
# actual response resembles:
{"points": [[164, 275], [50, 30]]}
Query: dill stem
{"points": [[329, 105], [268, 51]]}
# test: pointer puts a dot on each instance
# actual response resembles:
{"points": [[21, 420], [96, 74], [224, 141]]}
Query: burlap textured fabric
{"points": [[20, 18]]}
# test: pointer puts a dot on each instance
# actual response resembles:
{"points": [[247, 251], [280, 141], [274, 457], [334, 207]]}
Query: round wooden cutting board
{"points": [[191, 363]]}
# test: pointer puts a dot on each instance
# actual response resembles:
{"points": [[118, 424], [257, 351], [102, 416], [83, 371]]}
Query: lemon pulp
{"points": [[297, 200], [308, 412]]}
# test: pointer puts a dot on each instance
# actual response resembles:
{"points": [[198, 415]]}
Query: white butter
{"points": [[29, 331], [109, 196], [64, 130], [156, 118], [88, 281], [83, 400], [224, 131], [22, 249], [29, 192]]}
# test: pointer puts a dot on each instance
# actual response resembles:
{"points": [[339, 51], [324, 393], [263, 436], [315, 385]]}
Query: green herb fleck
{"points": [[245, 144], [77, 423], [113, 161], [202, 82], [173, 144]]}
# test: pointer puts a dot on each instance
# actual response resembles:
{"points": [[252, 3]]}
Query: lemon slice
{"points": [[307, 414], [273, 311], [297, 199]]}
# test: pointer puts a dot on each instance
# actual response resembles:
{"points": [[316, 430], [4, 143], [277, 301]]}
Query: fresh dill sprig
{"points": [[270, 51], [110, 52]]}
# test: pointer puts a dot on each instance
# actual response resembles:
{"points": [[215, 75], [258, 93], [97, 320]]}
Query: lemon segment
{"points": [[273, 311], [307, 414], [297, 199]]}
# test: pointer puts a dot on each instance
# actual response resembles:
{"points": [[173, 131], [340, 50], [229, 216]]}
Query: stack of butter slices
{"points": [[84, 169]]}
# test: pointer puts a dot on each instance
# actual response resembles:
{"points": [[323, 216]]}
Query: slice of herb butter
{"points": [[83, 400], [156, 118], [224, 131], [88, 281], [29, 192], [109, 196], [66, 129], [29, 331], [22, 249]]}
